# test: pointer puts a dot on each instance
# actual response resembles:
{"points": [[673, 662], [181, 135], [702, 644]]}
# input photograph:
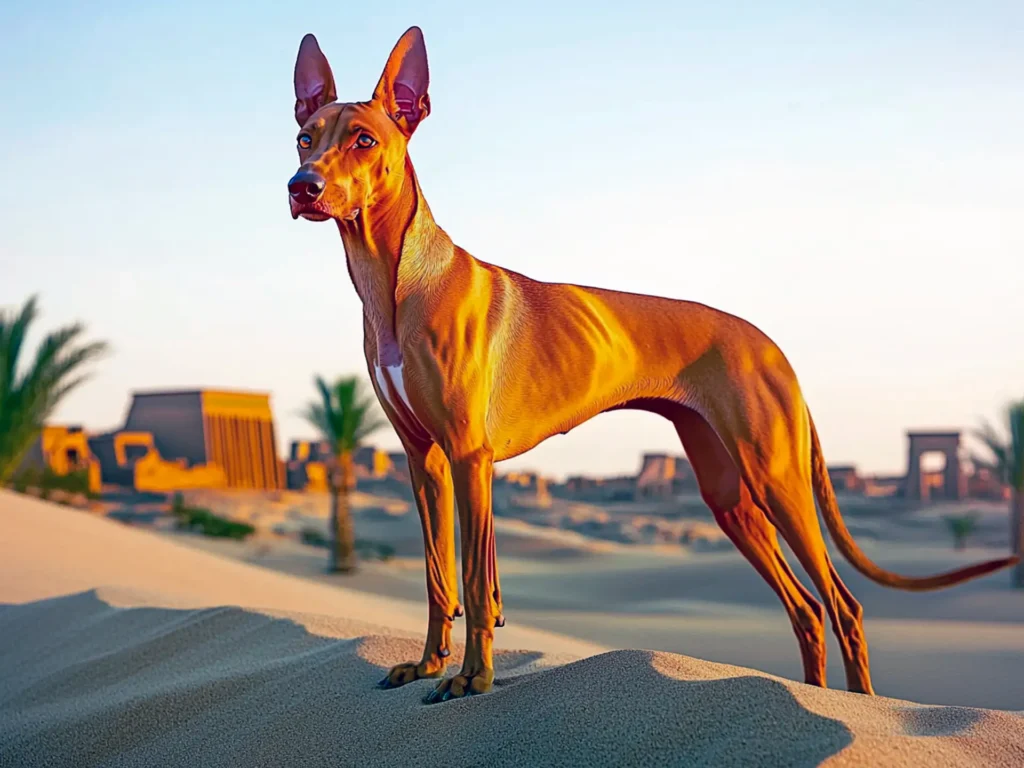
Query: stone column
{"points": [[954, 478], [914, 487]]}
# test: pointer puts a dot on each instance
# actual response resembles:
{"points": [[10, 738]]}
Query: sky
{"points": [[848, 177]]}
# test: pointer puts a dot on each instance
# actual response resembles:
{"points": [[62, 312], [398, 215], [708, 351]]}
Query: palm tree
{"points": [[28, 397], [344, 416], [1008, 464]]}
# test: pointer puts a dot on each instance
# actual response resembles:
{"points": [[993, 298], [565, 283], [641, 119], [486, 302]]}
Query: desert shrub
{"points": [[962, 526], [47, 481], [213, 525], [73, 482], [385, 552], [374, 550], [368, 550], [205, 522], [25, 479], [313, 537]]}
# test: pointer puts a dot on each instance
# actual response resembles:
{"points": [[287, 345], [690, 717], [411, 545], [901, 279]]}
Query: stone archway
{"points": [[946, 443]]}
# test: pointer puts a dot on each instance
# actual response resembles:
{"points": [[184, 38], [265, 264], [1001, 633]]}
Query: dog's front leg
{"points": [[432, 486], [472, 475]]}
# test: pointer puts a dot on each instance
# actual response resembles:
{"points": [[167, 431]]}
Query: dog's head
{"points": [[352, 155]]}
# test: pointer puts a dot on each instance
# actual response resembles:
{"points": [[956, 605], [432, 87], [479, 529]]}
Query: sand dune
{"points": [[121, 648]]}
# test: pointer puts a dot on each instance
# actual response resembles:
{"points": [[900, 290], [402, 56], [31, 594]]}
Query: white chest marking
{"points": [[394, 373]]}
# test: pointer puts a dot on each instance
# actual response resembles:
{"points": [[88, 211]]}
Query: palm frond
{"points": [[28, 399], [316, 417], [371, 424], [983, 462], [345, 415], [13, 330], [1007, 452], [997, 447], [50, 383], [348, 418]]}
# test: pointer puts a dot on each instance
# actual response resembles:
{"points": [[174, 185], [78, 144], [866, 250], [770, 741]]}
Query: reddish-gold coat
{"points": [[474, 364]]}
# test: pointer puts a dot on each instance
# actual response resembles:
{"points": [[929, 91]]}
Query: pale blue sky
{"points": [[847, 176]]}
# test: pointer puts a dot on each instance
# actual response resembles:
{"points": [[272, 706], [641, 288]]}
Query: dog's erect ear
{"points": [[403, 87], [314, 83]]}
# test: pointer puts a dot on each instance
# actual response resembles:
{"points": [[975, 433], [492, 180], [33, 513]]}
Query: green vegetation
{"points": [[205, 522], [1007, 461], [29, 394], [374, 550], [962, 526], [314, 538], [368, 550], [47, 481], [344, 416]]}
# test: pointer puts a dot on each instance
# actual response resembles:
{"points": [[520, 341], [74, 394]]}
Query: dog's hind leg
{"points": [[779, 480], [749, 529], [792, 512], [754, 536]]}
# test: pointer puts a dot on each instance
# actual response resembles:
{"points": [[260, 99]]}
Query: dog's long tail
{"points": [[841, 536]]}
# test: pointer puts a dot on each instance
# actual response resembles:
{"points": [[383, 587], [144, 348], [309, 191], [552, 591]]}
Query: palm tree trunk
{"points": [[343, 538], [1017, 534]]}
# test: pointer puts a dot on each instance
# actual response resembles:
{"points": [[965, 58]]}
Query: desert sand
{"points": [[962, 646], [124, 647]]}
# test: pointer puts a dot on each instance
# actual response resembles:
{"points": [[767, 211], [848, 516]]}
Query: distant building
{"points": [[232, 430], [64, 449], [881, 486], [309, 450], [306, 468], [983, 483], [663, 476], [524, 480], [174, 441], [400, 465], [844, 477], [372, 462], [951, 485], [584, 488], [524, 485]]}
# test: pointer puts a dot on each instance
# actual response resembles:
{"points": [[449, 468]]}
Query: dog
{"points": [[475, 364]]}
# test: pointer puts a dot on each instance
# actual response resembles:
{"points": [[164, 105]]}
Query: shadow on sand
{"points": [[88, 684]]}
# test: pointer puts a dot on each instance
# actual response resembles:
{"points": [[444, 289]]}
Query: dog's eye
{"points": [[365, 141], [305, 141]]}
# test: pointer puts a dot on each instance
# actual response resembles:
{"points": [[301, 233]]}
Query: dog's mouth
{"points": [[319, 212], [315, 211]]}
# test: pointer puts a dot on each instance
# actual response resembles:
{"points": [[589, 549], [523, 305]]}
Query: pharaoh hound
{"points": [[475, 364]]}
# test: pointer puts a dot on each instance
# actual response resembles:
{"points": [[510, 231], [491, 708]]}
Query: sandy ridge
{"points": [[119, 648]]}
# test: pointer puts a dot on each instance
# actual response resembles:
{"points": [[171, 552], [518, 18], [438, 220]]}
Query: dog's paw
{"points": [[462, 685], [400, 674]]}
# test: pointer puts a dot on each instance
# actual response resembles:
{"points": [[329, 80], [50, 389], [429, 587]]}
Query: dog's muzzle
{"points": [[306, 187]]}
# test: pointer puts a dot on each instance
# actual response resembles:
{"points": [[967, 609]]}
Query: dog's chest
{"points": [[392, 375], [389, 367], [389, 371]]}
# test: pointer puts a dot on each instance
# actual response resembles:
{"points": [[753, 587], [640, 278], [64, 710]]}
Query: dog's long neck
{"points": [[392, 247]]}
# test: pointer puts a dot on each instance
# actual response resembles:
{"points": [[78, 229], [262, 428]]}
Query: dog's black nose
{"points": [[306, 186]]}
